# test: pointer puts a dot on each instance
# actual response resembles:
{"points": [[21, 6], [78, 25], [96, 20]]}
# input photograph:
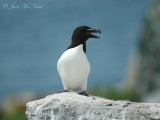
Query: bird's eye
{"points": [[85, 31]]}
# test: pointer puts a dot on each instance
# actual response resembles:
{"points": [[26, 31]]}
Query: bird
{"points": [[73, 65]]}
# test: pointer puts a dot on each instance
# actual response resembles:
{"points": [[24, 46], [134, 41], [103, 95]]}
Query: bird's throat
{"points": [[84, 47]]}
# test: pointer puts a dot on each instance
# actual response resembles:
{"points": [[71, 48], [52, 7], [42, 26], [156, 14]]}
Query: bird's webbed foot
{"points": [[83, 93], [63, 91]]}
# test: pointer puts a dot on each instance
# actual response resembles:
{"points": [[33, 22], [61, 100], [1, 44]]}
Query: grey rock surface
{"points": [[71, 106]]}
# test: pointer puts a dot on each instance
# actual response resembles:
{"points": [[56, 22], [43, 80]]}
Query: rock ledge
{"points": [[71, 106]]}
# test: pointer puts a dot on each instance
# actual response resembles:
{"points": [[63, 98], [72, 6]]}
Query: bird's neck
{"points": [[74, 45], [84, 47]]}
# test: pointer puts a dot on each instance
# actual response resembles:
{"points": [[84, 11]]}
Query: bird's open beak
{"points": [[90, 31]]}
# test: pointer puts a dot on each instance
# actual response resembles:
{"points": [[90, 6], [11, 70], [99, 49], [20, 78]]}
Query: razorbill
{"points": [[73, 66]]}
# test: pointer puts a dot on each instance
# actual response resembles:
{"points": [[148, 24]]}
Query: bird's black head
{"points": [[82, 33]]}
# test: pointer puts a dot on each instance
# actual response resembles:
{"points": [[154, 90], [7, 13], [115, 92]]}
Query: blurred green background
{"points": [[129, 51]]}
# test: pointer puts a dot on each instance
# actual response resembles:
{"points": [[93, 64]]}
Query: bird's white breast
{"points": [[74, 68]]}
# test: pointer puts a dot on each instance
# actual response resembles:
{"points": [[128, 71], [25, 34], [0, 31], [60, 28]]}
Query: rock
{"points": [[71, 106]]}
